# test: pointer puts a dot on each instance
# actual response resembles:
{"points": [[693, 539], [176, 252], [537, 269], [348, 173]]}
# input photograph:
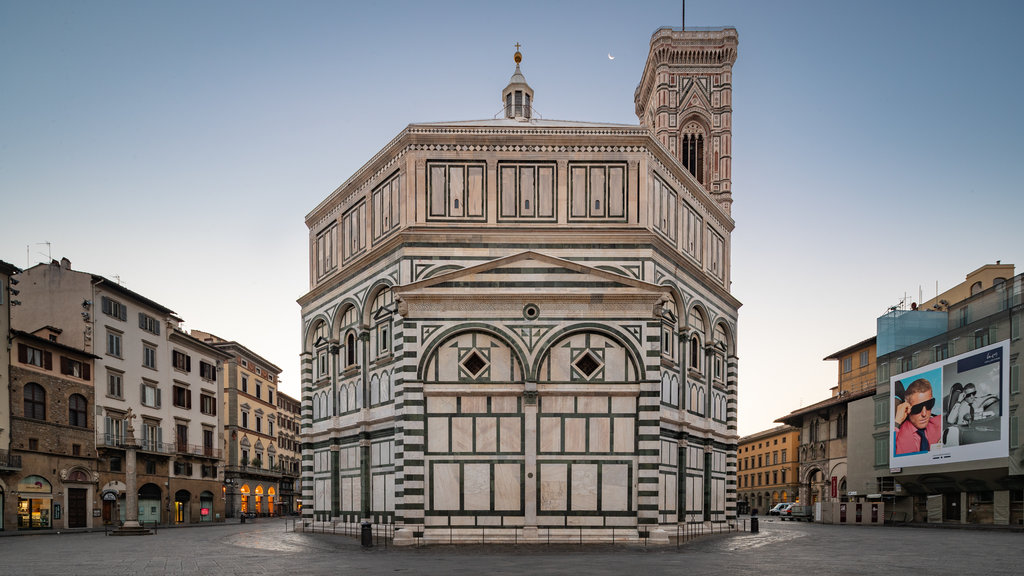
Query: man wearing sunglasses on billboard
{"points": [[916, 428]]}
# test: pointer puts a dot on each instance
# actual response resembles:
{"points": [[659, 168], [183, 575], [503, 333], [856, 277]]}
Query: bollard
{"points": [[367, 535], [753, 525]]}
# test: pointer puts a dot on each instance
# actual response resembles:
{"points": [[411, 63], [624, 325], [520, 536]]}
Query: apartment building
{"points": [[147, 368]]}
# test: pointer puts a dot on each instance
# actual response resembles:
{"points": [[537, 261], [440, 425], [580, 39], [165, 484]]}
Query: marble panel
{"points": [[550, 434], [511, 434], [615, 487], [553, 486], [486, 434], [462, 435], [441, 405], [600, 435], [624, 435], [575, 435], [557, 405], [474, 404], [476, 489], [507, 487], [445, 484], [377, 487], [623, 404], [437, 434], [592, 405], [504, 404], [584, 487]]}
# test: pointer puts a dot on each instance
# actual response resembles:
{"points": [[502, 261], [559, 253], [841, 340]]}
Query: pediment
{"points": [[531, 272], [695, 95]]}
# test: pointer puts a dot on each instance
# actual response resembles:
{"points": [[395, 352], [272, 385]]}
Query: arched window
{"points": [[691, 151], [35, 401], [350, 350], [77, 411], [697, 331], [348, 324]]}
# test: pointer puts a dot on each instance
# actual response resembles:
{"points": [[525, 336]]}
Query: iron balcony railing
{"points": [[146, 445], [9, 461]]}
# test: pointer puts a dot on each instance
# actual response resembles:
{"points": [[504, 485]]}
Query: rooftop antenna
{"points": [[28, 257], [684, 16]]}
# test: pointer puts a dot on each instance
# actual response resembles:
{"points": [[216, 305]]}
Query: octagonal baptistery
{"points": [[520, 330]]}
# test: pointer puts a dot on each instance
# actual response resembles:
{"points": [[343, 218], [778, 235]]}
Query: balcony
{"points": [[9, 462], [196, 450]]}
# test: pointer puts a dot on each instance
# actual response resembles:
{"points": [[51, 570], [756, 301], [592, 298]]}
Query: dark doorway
{"points": [[77, 507], [951, 505]]}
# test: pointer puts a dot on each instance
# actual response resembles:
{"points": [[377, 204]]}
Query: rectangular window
{"points": [[115, 463], [847, 364], [1014, 378], [114, 385], [149, 324], [182, 397], [865, 357], [882, 450], [259, 424], [456, 191], [151, 436], [353, 226], [149, 356], [1015, 326], [941, 352], [981, 338], [783, 455], [207, 371], [259, 387], [181, 437], [326, 247], [597, 191], [881, 410], [150, 394], [1014, 431], [245, 384], [526, 191], [113, 308], [270, 395], [114, 344], [30, 355], [181, 361], [75, 368], [386, 199], [245, 420], [716, 254], [883, 373], [693, 232], [208, 404], [207, 442]]}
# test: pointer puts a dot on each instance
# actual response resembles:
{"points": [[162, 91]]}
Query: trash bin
{"points": [[753, 525], [367, 535]]}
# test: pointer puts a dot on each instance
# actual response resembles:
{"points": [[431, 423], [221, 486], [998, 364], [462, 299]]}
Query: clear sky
{"points": [[179, 145]]}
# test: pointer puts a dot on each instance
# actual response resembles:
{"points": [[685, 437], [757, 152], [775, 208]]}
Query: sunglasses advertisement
{"points": [[951, 411]]}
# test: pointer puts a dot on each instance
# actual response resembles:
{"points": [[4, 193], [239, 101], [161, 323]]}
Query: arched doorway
{"points": [[77, 498], [258, 506], [206, 506], [270, 500], [181, 506], [244, 491], [2, 509], [149, 504]]}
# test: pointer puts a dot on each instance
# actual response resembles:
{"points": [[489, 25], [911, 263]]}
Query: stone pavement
{"points": [[264, 547]]}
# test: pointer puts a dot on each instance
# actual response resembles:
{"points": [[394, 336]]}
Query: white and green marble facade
{"points": [[520, 329]]}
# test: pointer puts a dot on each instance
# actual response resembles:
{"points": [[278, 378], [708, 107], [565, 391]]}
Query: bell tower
{"points": [[685, 99]]}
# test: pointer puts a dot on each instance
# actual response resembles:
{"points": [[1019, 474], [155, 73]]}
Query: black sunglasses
{"points": [[969, 395], [916, 408]]}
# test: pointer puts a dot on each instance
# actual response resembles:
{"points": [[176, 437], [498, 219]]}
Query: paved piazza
{"points": [[263, 547]]}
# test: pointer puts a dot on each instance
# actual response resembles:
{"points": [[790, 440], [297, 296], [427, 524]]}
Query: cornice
{"points": [[699, 49]]}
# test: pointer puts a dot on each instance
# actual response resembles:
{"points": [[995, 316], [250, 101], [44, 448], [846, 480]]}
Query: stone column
{"points": [[131, 525]]}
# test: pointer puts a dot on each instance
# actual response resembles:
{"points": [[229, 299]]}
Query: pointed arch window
{"points": [[691, 149]]}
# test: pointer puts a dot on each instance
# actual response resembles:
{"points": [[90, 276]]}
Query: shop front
{"points": [[35, 503]]}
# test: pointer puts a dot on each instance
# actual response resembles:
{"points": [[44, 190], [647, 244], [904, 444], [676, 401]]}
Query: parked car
{"points": [[775, 509], [797, 512]]}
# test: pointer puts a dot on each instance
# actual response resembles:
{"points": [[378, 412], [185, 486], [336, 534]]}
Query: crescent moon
{"points": [[610, 57]]}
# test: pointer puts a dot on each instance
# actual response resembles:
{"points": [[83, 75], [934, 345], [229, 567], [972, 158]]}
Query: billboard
{"points": [[953, 410]]}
